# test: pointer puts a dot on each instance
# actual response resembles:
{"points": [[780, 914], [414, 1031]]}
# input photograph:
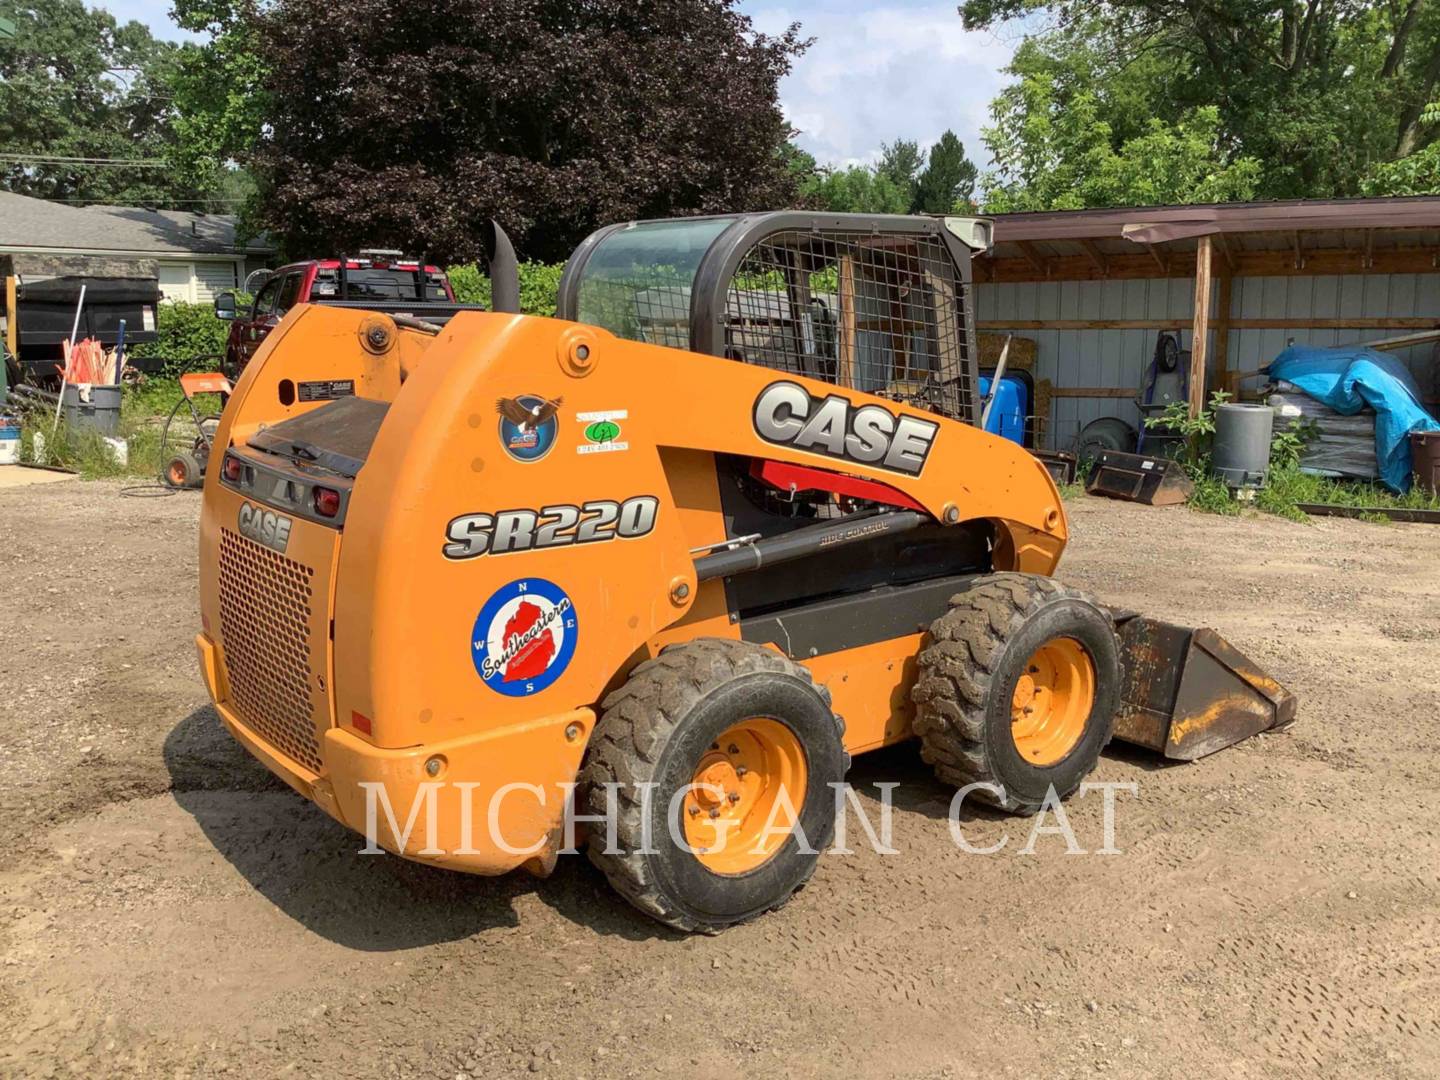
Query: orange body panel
{"points": [[394, 620]]}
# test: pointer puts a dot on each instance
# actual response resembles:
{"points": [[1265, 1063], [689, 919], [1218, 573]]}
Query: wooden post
{"points": [[12, 318], [1200, 332], [846, 348], [1222, 338]]}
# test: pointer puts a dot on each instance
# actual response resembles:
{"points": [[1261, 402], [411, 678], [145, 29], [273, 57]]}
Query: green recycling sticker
{"points": [[602, 431]]}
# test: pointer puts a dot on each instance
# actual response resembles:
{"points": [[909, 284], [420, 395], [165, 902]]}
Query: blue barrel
{"points": [[1007, 415]]}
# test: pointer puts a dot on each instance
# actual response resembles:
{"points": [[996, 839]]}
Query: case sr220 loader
{"points": [[648, 554]]}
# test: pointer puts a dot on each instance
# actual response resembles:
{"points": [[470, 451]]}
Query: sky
{"points": [[877, 72], [881, 72]]}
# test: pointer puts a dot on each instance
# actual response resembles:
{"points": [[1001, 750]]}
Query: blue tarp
{"points": [[1348, 378]]}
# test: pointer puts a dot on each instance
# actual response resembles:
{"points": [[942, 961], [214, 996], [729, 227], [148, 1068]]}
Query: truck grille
{"points": [[265, 629]]}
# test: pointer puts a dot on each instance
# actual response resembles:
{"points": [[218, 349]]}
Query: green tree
{"points": [[859, 190], [948, 180], [1319, 93], [75, 84], [219, 95], [900, 163], [411, 124], [1056, 151]]}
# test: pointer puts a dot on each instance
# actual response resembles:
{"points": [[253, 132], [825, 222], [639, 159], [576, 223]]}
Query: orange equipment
{"points": [[655, 549], [185, 466]]}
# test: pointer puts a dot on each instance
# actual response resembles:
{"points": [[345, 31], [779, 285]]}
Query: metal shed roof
{"points": [[1155, 224], [1338, 235]]}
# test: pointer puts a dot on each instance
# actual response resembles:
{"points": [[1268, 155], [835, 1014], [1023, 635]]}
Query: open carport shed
{"points": [[1239, 281]]}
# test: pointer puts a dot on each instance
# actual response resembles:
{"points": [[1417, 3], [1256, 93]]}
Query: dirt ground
{"points": [[168, 908]]}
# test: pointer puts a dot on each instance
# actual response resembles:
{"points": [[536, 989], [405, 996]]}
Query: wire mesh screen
{"points": [[884, 314]]}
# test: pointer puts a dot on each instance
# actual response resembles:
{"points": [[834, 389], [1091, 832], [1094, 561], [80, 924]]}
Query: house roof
{"points": [[35, 223]]}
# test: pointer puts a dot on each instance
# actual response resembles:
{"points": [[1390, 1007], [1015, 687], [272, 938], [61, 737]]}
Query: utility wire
{"points": [[44, 159]]}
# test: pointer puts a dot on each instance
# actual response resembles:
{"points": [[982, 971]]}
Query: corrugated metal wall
{"points": [[1119, 358]]}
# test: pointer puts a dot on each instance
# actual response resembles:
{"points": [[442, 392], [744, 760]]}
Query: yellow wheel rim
{"points": [[745, 795], [1052, 701]]}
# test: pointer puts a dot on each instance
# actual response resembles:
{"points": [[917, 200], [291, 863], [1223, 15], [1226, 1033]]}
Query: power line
{"points": [[45, 159], [145, 203]]}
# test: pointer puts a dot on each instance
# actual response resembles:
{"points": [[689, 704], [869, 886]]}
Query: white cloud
{"points": [[875, 74]]}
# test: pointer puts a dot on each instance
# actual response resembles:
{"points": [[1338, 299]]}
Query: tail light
{"points": [[232, 468], [327, 502]]}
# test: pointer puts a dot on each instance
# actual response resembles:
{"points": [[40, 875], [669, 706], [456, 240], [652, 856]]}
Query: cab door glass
{"points": [[265, 298], [289, 290]]}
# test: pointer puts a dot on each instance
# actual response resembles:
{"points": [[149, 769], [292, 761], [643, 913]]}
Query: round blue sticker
{"points": [[524, 637], [529, 425]]}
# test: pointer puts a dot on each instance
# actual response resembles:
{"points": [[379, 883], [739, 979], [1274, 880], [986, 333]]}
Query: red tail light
{"points": [[360, 722], [327, 502], [232, 469]]}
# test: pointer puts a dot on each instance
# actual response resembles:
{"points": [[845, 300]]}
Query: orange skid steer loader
{"points": [[642, 558]]}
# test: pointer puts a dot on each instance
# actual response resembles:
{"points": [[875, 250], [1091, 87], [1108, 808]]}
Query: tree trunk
{"points": [[1396, 56], [1409, 136]]}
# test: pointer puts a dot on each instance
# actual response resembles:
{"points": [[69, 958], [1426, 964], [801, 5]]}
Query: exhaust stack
{"points": [[504, 270]]}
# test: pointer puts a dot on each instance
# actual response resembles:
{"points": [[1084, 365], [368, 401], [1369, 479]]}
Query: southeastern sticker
{"points": [[601, 431], [528, 425], [524, 637]]}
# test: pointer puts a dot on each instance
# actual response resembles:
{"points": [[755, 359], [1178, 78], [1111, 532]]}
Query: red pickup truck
{"points": [[376, 280]]}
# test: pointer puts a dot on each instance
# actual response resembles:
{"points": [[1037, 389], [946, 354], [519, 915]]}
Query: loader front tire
{"points": [[1017, 690], [713, 744]]}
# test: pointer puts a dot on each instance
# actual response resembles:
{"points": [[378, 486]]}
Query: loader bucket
{"points": [[1154, 481], [1190, 692]]}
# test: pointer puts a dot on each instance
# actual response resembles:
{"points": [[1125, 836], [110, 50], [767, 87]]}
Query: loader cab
{"points": [[877, 303]]}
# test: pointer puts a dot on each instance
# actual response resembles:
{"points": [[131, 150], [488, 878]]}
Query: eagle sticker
{"points": [[524, 637], [528, 425]]}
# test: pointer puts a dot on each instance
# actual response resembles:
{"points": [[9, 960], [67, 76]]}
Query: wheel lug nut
{"points": [[741, 770], [714, 814], [694, 811], [732, 749], [734, 796]]}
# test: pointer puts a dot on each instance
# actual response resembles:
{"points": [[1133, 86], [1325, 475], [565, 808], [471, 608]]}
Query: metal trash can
{"points": [[100, 414], [1241, 452]]}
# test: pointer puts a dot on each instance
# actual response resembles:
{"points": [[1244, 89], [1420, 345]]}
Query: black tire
{"points": [[655, 728], [968, 671], [183, 471]]}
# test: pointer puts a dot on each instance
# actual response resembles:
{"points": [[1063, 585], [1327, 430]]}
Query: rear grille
{"points": [[265, 626]]}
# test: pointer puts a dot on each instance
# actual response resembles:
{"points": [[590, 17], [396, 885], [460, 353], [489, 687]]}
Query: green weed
{"points": [[143, 410]]}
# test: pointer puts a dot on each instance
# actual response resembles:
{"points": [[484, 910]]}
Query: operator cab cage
{"points": [[873, 302]]}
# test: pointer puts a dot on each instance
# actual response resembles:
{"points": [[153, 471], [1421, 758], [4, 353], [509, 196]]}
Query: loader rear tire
{"points": [[1013, 646], [742, 721]]}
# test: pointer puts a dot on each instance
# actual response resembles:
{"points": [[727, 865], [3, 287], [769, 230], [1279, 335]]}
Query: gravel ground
{"points": [[167, 907]]}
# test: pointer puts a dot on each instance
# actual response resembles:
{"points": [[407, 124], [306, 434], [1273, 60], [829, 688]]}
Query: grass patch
{"points": [[143, 410], [1212, 496], [1287, 486]]}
